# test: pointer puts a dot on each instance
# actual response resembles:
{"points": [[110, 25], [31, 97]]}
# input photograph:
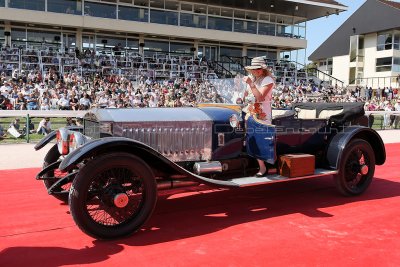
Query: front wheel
{"points": [[356, 169], [113, 195], [61, 192]]}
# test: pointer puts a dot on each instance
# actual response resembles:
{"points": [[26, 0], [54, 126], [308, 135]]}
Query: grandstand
{"points": [[159, 39]]}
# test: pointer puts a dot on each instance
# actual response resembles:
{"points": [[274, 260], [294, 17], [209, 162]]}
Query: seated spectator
{"points": [[63, 103], [32, 102], [2, 133], [70, 122], [44, 126], [15, 124], [20, 102], [85, 102], [31, 127], [14, 129]]}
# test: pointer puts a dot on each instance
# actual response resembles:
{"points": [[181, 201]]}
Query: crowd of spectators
{"points": [[35, 89]]}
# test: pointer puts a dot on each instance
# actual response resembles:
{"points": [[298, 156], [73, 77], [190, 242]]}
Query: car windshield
{"points": [[229, 91]]}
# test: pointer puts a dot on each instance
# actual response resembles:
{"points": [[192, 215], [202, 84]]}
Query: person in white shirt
{"points": [[261, 84], [63, 103], [44, 126], [397, 119], [153, 103]]}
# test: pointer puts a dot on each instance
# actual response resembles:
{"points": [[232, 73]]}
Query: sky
{"points": [[320, 29]]}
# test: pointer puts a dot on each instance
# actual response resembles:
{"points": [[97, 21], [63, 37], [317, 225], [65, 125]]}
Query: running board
{"points": [[253, 180], [274, 178]]}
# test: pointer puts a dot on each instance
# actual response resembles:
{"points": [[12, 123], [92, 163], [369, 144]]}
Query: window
{"points": [[193, 20], [352, 75], [214, 11], [180, 48], [383, 64], [240, 14], [201, 9], [299, 32], [157, 4], [264, 17], [65, 6], [18, 34], [2, 2], [171, 5], [251, 15], [251, 53], [107, 43], [186, 7], [100, 10], [396, 64], [144, 3], [164, 17], [245, 26], [396, 41], [384, 41], [133, 13], [152, 47], [2, 37], [42, 36], [69, 40], [266, 29], [230, 51], [219, 24], [353, 48], [225, 12], [28, 4]]}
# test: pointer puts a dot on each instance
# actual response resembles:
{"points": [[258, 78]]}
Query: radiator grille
{"points": [[177, 144]]}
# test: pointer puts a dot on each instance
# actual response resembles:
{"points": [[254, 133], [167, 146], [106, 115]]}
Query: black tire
{"points": [[97, 186], [350, 181], [52, 156]]}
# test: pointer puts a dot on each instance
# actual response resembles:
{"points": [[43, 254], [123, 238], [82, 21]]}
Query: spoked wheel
{"points": [[61, 192], [357, 168], [113, 195]]}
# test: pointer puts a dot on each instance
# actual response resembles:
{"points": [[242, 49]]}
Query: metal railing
{"points": [[379, 120]]}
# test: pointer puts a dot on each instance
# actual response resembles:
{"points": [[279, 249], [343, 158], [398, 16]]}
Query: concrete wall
{"points": [[341, 68]]}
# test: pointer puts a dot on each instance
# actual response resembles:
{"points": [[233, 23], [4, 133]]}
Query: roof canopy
{"points": [[309, 9]]}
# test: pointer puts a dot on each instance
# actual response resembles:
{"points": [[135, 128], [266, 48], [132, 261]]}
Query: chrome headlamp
{"points": [[76, 140], [234, 121]]}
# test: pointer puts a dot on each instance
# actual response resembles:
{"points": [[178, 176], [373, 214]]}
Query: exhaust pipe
{"points": [[165, 185], [207, 167]]}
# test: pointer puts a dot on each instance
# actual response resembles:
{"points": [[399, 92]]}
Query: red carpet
{"points": [[302, 223]]}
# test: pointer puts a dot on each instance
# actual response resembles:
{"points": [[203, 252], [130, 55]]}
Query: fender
{"points": [[340, 140], [52, 135], [111, 144]]}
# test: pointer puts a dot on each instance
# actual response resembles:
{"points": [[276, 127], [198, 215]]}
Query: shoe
{"points": [[258, 174]]}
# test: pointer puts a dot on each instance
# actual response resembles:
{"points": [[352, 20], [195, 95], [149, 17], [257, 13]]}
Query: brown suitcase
{"points": [[296, 165]]}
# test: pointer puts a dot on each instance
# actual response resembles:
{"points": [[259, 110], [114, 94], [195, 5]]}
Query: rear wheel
{"points": [[61, 192], [113, 195], [357, 168]]}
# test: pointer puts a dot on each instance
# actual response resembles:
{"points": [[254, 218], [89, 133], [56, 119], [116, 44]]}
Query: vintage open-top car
{"points": [[120, 158]]}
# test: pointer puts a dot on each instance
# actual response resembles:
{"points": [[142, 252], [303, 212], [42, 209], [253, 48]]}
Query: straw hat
{"points": [[257, 63]]}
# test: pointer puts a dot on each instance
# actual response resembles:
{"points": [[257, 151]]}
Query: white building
{"points": [[365, 50]]}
